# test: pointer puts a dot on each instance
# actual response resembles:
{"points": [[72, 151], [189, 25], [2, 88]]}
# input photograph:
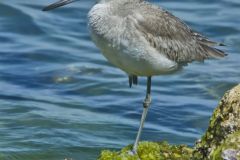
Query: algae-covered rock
{"points": [[150, 151], [224, 122], [221, 141], [229, 149]]}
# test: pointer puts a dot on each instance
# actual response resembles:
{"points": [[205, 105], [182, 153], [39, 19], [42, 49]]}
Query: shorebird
{"points": [[143, 39]]}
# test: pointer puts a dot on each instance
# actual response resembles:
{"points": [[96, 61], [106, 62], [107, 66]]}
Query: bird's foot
{"points": [[133, 153]]}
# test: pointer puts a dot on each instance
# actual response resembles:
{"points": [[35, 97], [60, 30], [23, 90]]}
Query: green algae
{"points": [[150, 151]]}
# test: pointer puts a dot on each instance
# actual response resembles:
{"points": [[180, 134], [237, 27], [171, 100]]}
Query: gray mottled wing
{"points": [[171, 37]]}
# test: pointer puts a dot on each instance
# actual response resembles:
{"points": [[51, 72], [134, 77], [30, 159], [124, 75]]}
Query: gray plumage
{"points": [[163, 31], [172, 37]]}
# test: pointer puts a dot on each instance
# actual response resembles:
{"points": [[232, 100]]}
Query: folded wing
{"points": [[172, 37]]}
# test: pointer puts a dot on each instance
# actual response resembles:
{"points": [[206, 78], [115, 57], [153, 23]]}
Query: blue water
{"points": [[60, 98]]}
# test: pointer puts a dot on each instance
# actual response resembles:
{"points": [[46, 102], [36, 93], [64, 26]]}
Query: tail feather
{"points": [[210, 43], [205, 41], [213, 52]]}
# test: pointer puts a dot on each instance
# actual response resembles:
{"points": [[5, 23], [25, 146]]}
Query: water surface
{"points": [[60, 98]]}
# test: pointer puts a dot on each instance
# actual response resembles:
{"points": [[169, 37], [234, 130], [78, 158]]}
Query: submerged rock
{"points": [[220, 142]]}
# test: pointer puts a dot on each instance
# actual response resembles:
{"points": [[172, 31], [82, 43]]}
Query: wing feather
{"points": [[171, 36]]}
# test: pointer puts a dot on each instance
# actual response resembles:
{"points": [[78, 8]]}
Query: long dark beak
{"points": [[57, 4]]}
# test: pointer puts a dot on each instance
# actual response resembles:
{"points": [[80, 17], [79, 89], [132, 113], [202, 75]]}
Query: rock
{"points": [[229, 149], [221, 141], [224, 123]]}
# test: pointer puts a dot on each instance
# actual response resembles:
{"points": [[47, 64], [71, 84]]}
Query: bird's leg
{"points": [[146, 104], [132, 80], [135, 79]]}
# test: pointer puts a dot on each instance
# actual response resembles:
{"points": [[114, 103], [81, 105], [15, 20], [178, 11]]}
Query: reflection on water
{"points": [[61, 99]]}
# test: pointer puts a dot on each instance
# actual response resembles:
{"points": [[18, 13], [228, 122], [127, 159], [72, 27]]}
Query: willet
{"points": [[143, 39]]}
